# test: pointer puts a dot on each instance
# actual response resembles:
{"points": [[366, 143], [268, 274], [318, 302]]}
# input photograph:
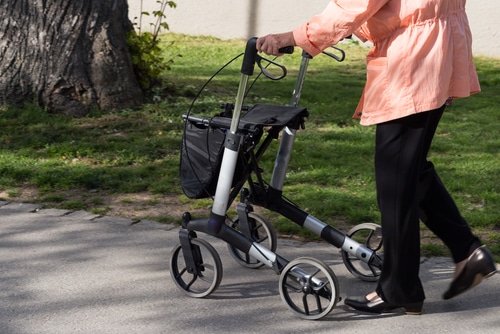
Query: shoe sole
{"points": [[478, 279], [413, 313]]}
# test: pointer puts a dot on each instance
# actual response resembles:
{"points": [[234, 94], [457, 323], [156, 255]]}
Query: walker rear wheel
{"points": [[309, 288], [370, 236], [205, 277], [262, 232]]}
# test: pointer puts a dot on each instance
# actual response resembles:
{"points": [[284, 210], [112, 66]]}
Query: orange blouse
{"points": [[421, 55]]}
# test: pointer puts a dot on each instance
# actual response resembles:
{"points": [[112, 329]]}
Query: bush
{"points": [[145, 49]]}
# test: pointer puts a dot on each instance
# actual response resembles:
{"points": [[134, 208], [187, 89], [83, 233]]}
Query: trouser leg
{"points": [[440, 214], [399, 152], [408, 188], [438, 210]]}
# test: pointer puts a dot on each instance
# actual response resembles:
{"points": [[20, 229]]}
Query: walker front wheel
{"points": [[261, 232], [309, 288], [370, 236], [202, 279]]}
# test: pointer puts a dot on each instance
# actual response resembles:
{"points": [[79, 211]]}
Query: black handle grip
{"points": [[249, 57], [287, 50]]}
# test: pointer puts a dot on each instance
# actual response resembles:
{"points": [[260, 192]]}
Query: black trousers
{"points": [[410, 190]]}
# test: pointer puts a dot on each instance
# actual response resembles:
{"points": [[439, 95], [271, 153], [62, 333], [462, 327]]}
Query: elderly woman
{"points": [[421, 59]]}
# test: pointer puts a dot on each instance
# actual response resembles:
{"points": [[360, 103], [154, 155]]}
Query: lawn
{"points": [[107, 159]]}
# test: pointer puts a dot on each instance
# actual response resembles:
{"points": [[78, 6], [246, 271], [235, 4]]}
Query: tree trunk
{"points": [[67, 55]]}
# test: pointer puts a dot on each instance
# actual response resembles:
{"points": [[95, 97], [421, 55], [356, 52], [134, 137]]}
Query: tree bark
{"points": [[67, 55]]}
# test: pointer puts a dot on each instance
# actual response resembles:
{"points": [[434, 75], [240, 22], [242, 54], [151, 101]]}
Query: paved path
{"points": [[74, 272]]}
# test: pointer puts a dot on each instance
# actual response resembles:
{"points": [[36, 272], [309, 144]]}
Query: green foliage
{"points": [[146, 53], [146, 58], [433, 250]]}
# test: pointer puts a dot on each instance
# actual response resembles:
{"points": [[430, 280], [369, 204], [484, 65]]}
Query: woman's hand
{"points": [[271, 44]]}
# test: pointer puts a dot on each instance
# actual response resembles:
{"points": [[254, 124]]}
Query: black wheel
{"points": [[309, 288], [262, 232], [370, 236], [202, 280]]}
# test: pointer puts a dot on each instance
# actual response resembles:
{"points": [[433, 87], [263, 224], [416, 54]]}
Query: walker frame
{"points": [[307, 286]]}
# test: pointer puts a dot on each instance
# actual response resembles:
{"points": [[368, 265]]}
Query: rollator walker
{"points": [[219, 157]]}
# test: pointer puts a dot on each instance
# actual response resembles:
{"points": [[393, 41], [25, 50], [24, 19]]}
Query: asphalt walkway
{"points": [[75, 272]]}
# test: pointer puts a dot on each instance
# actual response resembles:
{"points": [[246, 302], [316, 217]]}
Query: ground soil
{"points": [[165, 208], [134, 206]]}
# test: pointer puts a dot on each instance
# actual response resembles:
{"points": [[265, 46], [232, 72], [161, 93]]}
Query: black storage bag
{"points": [[201, 156]]}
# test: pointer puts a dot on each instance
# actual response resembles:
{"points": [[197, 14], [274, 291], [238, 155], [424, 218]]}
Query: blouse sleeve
{"points": [[338, 20]]}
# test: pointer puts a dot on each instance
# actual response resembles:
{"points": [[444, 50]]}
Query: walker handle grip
{"points": [[251, 56], [287, 50]]}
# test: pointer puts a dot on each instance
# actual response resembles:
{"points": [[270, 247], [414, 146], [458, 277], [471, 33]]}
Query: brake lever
{"points": [[287, 50], [334, 56], [266, 72]]}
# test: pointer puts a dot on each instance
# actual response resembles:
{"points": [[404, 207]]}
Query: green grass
{"points": [[331, 173]]}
